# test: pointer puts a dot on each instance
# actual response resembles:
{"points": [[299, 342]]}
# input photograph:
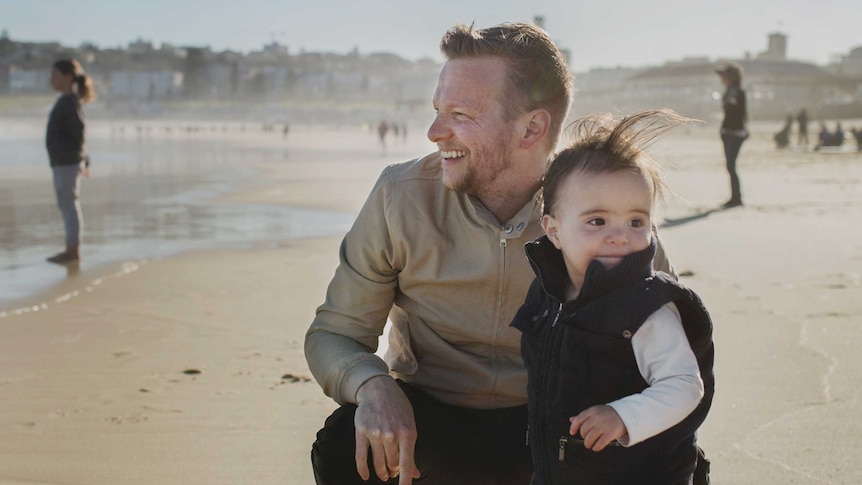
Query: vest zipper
{"points": [[563, 441], [541, 389], [557, 316]]}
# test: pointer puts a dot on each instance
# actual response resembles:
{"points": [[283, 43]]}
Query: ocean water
{"points": [[149, 197]]}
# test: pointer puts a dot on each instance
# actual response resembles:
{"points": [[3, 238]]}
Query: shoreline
{"points": [[168, 203]]}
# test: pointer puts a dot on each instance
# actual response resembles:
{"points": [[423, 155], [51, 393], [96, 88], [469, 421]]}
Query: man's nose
{"points": [[438, 130]]}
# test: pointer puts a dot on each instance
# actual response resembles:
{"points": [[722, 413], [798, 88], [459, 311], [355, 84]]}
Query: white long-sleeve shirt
{"points": [[668, 365]]}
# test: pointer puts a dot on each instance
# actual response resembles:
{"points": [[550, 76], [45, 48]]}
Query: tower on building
{"points": [[776, 49]]}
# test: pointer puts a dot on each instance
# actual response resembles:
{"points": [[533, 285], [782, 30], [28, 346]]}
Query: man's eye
{"points": [[598, 221]]}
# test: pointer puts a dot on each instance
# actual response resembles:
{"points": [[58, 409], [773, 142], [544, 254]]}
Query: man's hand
{"points": [[384, 422], [599, 425]]}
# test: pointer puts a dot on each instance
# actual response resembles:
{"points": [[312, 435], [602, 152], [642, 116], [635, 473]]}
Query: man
{"points": [[438, 247]]}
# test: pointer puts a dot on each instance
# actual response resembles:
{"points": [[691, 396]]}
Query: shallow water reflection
{"points": [[145, 200]]}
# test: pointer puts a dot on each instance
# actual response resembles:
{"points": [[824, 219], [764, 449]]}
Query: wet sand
{"points": [[189, 368]]}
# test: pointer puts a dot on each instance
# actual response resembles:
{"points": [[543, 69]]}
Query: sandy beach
{"points": [[186, 366]]}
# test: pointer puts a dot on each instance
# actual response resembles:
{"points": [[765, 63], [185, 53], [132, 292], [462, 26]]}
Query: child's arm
{"points": [[668, 365]]}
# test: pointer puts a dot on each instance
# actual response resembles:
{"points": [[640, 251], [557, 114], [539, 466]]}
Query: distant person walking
{"points": [[802, 120], [782, 138], [64, 139], [733, 131], [382, 130]]}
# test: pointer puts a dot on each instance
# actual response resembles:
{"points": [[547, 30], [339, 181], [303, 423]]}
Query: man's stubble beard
{"points": [[470, 182]]}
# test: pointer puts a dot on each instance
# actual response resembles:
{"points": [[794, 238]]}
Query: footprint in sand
{"points": [[134, 419], [25, 425], [292, 379], [67, 339], [63, 413], [157, 410], [838, 281]]}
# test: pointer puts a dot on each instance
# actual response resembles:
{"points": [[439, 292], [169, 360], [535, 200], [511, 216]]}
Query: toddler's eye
{"points": [[636, 223], [598, 221]]}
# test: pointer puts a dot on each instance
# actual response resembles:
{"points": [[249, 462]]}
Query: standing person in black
{"points": [[802, 119], [64, 139], [733, 131]]}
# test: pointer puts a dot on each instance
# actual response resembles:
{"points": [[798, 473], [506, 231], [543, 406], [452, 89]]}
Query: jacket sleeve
{"points": [[340, 344], [76, 124]]}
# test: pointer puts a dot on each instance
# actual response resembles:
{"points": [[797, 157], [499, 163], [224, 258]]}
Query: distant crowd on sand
{"points": [[825, 137], [119, 129]]}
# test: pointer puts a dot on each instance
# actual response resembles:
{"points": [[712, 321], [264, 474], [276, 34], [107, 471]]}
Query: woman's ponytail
{"points": [[85, 88]]}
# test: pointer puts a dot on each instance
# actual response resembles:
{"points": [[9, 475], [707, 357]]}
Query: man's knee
{"points": [[333, 452]]}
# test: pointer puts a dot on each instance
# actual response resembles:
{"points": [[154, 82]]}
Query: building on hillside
{"points": [[194, 72], [602, 89], [145, 85], [849, 65], [29, 81], [774, 88]]}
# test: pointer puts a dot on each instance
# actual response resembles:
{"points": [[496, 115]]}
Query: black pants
{"points": [[454, 446], [732, 144]]}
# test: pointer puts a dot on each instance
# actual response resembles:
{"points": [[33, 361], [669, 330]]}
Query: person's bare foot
{"points": [[732, 203], [63, 258]]}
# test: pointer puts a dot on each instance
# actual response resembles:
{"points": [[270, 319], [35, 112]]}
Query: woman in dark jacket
{"points": [[733, 131], [64, 139]]}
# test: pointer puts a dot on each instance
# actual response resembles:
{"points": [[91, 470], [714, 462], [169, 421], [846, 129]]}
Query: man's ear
{"points": [[536, 126], [549, 224]]}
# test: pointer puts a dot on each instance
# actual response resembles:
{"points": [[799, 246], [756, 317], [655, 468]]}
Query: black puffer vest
{"points": [[579, 354]]}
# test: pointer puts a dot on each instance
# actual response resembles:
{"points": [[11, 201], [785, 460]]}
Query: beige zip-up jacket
{"points": [[448, 275]]}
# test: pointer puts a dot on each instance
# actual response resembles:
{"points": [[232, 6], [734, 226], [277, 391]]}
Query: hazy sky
{"points": [[598, 33]]}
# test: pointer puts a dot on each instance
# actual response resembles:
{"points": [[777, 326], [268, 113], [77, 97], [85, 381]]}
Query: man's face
{"points": [[471, 129]]}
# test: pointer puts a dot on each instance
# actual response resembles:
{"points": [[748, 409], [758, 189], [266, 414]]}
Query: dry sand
{"points": [[94, 389]]}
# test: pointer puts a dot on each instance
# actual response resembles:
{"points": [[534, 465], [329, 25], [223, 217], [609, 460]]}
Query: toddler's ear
{"points": [[549, 224]]}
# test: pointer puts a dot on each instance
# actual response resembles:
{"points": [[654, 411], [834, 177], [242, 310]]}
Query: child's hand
{"points": [[599, 425]]}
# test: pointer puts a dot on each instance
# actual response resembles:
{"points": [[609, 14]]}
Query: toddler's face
{"points": [[600, 216]]}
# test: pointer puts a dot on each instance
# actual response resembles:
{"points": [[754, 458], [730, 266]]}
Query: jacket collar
{"points": [[550, 268]]}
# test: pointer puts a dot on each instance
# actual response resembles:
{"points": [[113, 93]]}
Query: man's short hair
{"points": [[538, 76]]}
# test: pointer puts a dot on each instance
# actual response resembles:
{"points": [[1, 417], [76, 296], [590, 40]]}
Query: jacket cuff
{"points": [[630, 423], [365, 367]]}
